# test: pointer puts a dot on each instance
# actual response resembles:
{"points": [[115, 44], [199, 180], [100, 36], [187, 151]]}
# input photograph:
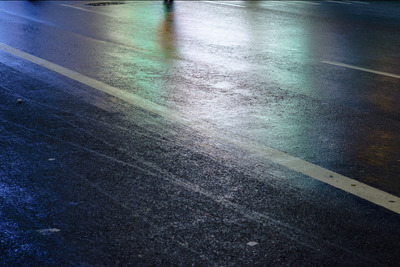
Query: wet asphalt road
{"points": [[87, 178]]}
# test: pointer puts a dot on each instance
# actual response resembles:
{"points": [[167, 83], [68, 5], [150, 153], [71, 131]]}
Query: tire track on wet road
{"points": [[308, 239]]}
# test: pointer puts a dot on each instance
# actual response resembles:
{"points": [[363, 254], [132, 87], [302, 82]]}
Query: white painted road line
{"points": [[338, 2], [308, 3], [88, 10], [267, 4], [354, 187], [225, 4], [288, 3], [359, 2], [362, 69]]}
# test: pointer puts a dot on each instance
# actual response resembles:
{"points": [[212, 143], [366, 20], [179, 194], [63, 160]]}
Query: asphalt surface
{"points": [[88, 178]]}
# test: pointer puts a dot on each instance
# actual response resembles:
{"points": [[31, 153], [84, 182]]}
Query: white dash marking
{"points": [[225, 4], [339, 2], [362, 69], [359, 2], [309, 3], [301, 3], [88, 10], [252, 243]]}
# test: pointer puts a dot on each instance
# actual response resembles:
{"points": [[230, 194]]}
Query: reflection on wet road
{"points": [[195, 130], [248, 71]]}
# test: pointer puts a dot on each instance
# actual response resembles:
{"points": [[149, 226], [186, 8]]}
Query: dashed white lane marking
{"points": [[308, 3], [356, 188], [362, 69], [359, 2], [338, 2], [225, 4], [88, 10], [266, 4]]}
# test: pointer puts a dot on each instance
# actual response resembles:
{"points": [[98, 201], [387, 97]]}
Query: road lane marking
{"points": [[88, 10], [359, 2], [28, 18], [338, 2], [362, 69], [308, 3], [267, 5], [297, 3], [225, 4], [346, 184]]}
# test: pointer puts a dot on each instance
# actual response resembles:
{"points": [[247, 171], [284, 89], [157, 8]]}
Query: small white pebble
{"points": [[252, 243], [48, 231]]}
